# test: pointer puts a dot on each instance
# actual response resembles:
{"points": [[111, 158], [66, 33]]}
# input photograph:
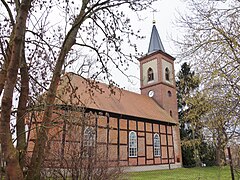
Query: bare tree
{"points": [[39, 40], [211, 42], [76, 152]]}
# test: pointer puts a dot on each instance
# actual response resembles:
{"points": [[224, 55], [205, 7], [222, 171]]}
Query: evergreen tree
{"points": [[186, 83], [193, 105]]}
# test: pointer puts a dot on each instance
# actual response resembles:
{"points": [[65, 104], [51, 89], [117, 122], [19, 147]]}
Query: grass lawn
{"points": [[202, 173]]}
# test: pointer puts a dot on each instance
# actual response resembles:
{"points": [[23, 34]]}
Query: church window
{"points": [[89, 142], [89, 137], [169, 93], [171, 113], [167, 74], [157, 145], [150, 74], [132, 144]]}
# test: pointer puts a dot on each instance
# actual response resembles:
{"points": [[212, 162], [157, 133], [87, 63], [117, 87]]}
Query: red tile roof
{"points": [[99, 96]]}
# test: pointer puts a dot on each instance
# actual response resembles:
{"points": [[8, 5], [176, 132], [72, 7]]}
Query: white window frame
{"points": [[156, 143], [89, 137], [132, 144]]}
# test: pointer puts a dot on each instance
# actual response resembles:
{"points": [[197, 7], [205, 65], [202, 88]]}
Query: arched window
{"points": [[169, 93], [132, 144], [170, 113], [150, 74], [167, 74], [157, 145], [89, 137]]}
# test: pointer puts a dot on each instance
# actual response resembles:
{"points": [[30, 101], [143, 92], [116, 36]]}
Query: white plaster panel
{"points": [[145, 66], [166, 64]]}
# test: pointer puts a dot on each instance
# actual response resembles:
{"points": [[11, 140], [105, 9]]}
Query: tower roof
{"points": [[155, 41]]}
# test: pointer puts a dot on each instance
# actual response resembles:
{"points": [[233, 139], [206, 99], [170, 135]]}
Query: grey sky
{"points": [[166, 13]]}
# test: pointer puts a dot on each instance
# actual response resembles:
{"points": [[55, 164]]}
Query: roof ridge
{"points": [[100, 82]]}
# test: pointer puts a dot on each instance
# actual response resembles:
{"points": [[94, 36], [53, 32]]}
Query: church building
{"points": [[137, 131]]}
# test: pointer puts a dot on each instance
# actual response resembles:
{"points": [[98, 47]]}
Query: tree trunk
{"points": [[7, 58], [21, 134], [220, 150], [3, 75], [13, 169], [40, 144]]}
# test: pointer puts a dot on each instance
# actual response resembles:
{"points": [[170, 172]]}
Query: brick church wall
{"points": [[112, 138]]}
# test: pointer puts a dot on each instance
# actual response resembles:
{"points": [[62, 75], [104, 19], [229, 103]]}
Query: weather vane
{"points": [[153, 11]]}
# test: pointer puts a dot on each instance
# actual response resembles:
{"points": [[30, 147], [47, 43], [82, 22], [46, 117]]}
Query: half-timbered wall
{"points": [[112, 137]]}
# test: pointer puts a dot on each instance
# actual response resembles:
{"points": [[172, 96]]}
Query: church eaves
{"points": [[155, 41]]}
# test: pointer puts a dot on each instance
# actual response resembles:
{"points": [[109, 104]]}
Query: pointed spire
{"points": [[155, 41]]}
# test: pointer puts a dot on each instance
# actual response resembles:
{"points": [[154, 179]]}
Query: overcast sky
{"points": [[165, 16]]}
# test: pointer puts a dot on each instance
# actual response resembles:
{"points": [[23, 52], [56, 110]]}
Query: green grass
{"points": [[202, 173]]}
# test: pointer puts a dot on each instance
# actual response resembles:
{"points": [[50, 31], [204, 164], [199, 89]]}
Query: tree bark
{"points": [[13, 169], [3, 75], [7, 58], [218, 149], [220, 153], [21, 134]]}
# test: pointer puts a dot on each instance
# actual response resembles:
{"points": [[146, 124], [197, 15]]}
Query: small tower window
{"points": [[167, 74], [169, 93], [171, 113], [150, 74]]}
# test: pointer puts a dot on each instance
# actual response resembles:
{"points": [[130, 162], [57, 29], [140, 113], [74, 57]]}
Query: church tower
{"points": [[157, 75]]}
